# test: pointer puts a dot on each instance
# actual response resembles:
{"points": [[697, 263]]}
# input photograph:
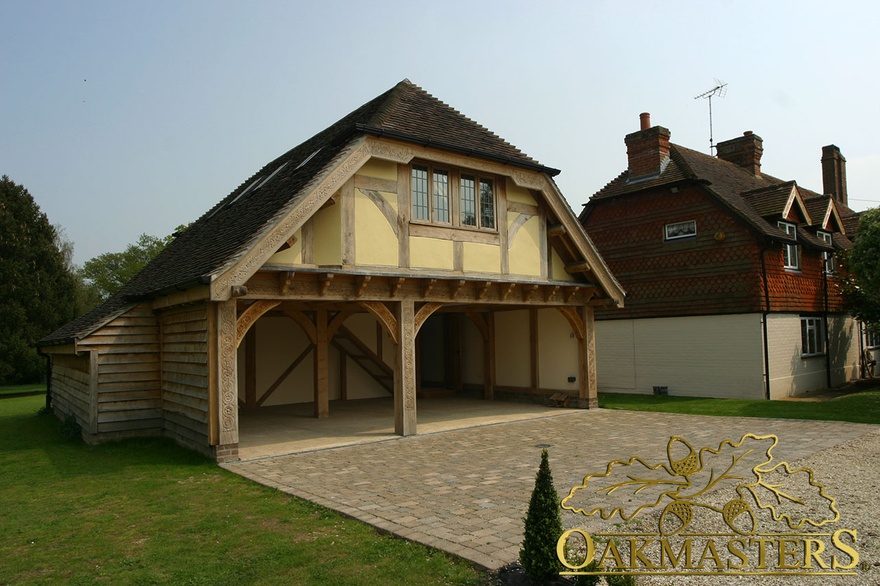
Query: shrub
{"points": [[70, 429], [543, 527]]}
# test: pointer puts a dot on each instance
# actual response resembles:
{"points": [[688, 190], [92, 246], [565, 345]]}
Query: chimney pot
{"points": [[644, 121], [748, 133]]}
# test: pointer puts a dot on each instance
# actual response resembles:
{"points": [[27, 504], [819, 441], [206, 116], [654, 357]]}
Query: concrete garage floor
{"points": [[290, 429]]}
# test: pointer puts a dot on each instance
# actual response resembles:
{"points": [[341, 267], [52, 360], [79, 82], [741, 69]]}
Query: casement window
{"points": [[790, 251], [453, 197], [827, 257], [812, 336], [681, 230]]}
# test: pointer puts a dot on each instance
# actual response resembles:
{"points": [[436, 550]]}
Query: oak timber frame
{"points": [[400, 299], [320, 300]]}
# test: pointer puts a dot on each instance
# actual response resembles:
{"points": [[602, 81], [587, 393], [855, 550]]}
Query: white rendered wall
{"points": [[700, 356]]}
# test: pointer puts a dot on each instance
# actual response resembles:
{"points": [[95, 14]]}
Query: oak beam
{"points": [[363, 281], [325, 283], [284, 281], [578, 267], [556, 231]]}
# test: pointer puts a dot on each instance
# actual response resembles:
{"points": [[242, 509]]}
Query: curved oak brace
{"points": [[424, 313], [337, 321], [574, 320], [477, 320], [385, 316], [305, 323], [251, 315]]}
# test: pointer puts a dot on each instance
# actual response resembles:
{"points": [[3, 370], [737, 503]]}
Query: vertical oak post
{"points": [[489, 358], [322, 365], [588, 389], [405, 370], [227, 346]]}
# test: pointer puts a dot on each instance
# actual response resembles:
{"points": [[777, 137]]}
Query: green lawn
{"points": [[149, 512], [38, 388], [861, 407]]}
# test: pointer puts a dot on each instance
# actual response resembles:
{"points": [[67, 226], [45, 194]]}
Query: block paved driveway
{"points": [[466, 491]]}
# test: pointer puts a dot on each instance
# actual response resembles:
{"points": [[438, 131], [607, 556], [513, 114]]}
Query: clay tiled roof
{"points": [[770, 201], [753, 198], [228, 230]]}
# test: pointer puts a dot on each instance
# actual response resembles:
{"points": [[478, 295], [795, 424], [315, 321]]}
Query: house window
{"points": [[812, 340], [447, 196], [681, 230], [872, 336], [790, 251], [827, 257]]}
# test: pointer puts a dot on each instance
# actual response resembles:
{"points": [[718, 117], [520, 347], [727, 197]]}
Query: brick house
{"points": [[729, 273]]}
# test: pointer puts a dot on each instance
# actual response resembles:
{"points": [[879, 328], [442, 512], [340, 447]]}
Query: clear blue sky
{"points": [[130, 117]]}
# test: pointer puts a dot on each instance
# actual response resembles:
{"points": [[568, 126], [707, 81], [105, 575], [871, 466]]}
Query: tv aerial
{"points": [[719, 90]]}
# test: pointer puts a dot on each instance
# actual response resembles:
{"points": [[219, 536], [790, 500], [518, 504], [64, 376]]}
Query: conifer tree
{"points": [[543, 527]]}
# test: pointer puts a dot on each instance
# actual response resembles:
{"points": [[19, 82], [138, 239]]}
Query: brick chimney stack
{"points": [[647, 150], [744, 151], [834, 174]]}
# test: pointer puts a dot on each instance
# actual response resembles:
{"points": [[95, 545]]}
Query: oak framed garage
{"points": [[322, 237]]}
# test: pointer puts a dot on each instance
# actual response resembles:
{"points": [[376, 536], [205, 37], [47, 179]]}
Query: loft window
{"points": [[812, 340], [451, 197], [827, 257], [790, 251], [681, 230]]}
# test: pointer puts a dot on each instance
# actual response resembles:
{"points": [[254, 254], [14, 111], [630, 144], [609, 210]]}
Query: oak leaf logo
{"points": [[790, 495]]}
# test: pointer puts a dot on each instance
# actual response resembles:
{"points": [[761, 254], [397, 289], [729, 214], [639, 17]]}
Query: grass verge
{"points": [[860, 407], [150, 512]]}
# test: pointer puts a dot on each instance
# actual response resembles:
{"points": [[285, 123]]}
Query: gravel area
{"points": [[850, 473]]}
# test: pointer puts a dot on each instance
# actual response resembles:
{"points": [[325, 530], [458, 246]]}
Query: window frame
{"points": [[690, 234], [790, 251], [827, 257], [430, 203], [812, 336]]}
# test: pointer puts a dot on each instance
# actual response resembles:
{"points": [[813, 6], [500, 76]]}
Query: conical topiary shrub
{"points": [[543, 527]]}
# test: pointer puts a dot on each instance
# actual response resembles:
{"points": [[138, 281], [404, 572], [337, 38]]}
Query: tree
{"points": [[860, 283], [104, 275], [543, 527], [38, 287]]}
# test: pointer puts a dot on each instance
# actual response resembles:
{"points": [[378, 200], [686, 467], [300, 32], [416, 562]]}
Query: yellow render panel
{"points": [[328, 235], [519, 194], [557, 268], [374, 239], [525, 248], [557, 352], [513, 366], [482, 258], [379, 169], [430, 253], [290, 256]]}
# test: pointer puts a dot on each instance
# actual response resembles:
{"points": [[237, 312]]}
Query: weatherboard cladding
{"points": [[227, 231]]}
